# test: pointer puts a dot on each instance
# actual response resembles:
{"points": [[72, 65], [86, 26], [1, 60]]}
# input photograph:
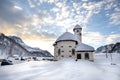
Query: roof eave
{"points": [[65, 40], [85, 51]]}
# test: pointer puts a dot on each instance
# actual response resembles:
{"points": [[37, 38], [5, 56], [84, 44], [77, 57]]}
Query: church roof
{"points": [[77, 26], [66, 37], [83, 47]]}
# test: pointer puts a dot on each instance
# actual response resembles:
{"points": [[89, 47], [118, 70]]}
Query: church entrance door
{"points": [[86, 55], [78, 56]]}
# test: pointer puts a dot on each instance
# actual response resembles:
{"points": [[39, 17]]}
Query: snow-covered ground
{"points": [[67, 69]]}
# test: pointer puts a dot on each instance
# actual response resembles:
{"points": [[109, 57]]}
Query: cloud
{"points": [[115, 18], [18, 8], [42, 44], [113, 38], [31, 4], [18, 20], [66, 15], [112, 9], [35, 21], [117, 9], [59, 4], [96, 39], [84, 0], [42, 1], [48, 19], [43, 41], [91, 8], [8, 29], [93, 38], [108, 6], [51, 1], [55, 9], [11, 14]]}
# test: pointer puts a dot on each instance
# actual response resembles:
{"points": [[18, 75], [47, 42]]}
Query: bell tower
{"points": [[78, 32]]}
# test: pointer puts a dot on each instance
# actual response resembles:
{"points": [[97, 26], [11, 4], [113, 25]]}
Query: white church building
{"points": [[70, 45]]}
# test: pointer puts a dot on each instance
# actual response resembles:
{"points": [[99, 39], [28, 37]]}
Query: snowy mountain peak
{"points": [[110, 48], [13, 45], [17, 39]]}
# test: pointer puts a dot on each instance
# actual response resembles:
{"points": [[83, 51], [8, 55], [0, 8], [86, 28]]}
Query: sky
{"points": [[40, 22]]}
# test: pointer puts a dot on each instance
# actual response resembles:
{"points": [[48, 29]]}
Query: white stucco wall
{"points": [[65, 49], [91, 58], [78, 34]]}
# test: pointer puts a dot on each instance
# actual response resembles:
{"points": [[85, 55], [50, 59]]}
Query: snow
{"points": [[83, 47], [66, 69], [66, 36]]}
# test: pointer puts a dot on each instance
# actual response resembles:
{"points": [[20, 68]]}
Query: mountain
{"points": [[13, 45], [110, 48]]}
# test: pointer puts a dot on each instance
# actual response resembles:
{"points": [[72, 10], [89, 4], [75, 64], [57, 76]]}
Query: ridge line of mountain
{"points": [[13, 45], [110, 48]]}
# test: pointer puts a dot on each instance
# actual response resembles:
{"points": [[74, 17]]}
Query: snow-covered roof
{"points": [[84, 47], [77, 26], [66, 36]]}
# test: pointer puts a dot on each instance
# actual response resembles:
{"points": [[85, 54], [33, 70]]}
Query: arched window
{"points": [[62, 55], [73, 51], [80, 34], [59, 52], [77, 30], [86, 55]]}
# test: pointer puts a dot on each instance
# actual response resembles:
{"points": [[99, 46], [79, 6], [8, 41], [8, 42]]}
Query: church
{"points": [[70, 45]]}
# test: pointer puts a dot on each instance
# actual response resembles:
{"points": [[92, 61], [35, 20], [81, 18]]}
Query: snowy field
{"points": [[67, 69]]}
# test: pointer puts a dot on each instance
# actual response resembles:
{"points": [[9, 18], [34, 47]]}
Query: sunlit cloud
{"points": [[31, 3], [59, 4], [18, 25], [113, 38], [42, 41], [115, 18], [50, 1], [17, 7], [96, 37]]}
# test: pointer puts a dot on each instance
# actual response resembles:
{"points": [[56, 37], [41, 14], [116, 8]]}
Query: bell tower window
{"points": [[77, 30]]}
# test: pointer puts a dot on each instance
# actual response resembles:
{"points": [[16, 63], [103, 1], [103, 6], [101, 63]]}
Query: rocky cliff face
{"points": [[111, 48], [12, 45]]}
